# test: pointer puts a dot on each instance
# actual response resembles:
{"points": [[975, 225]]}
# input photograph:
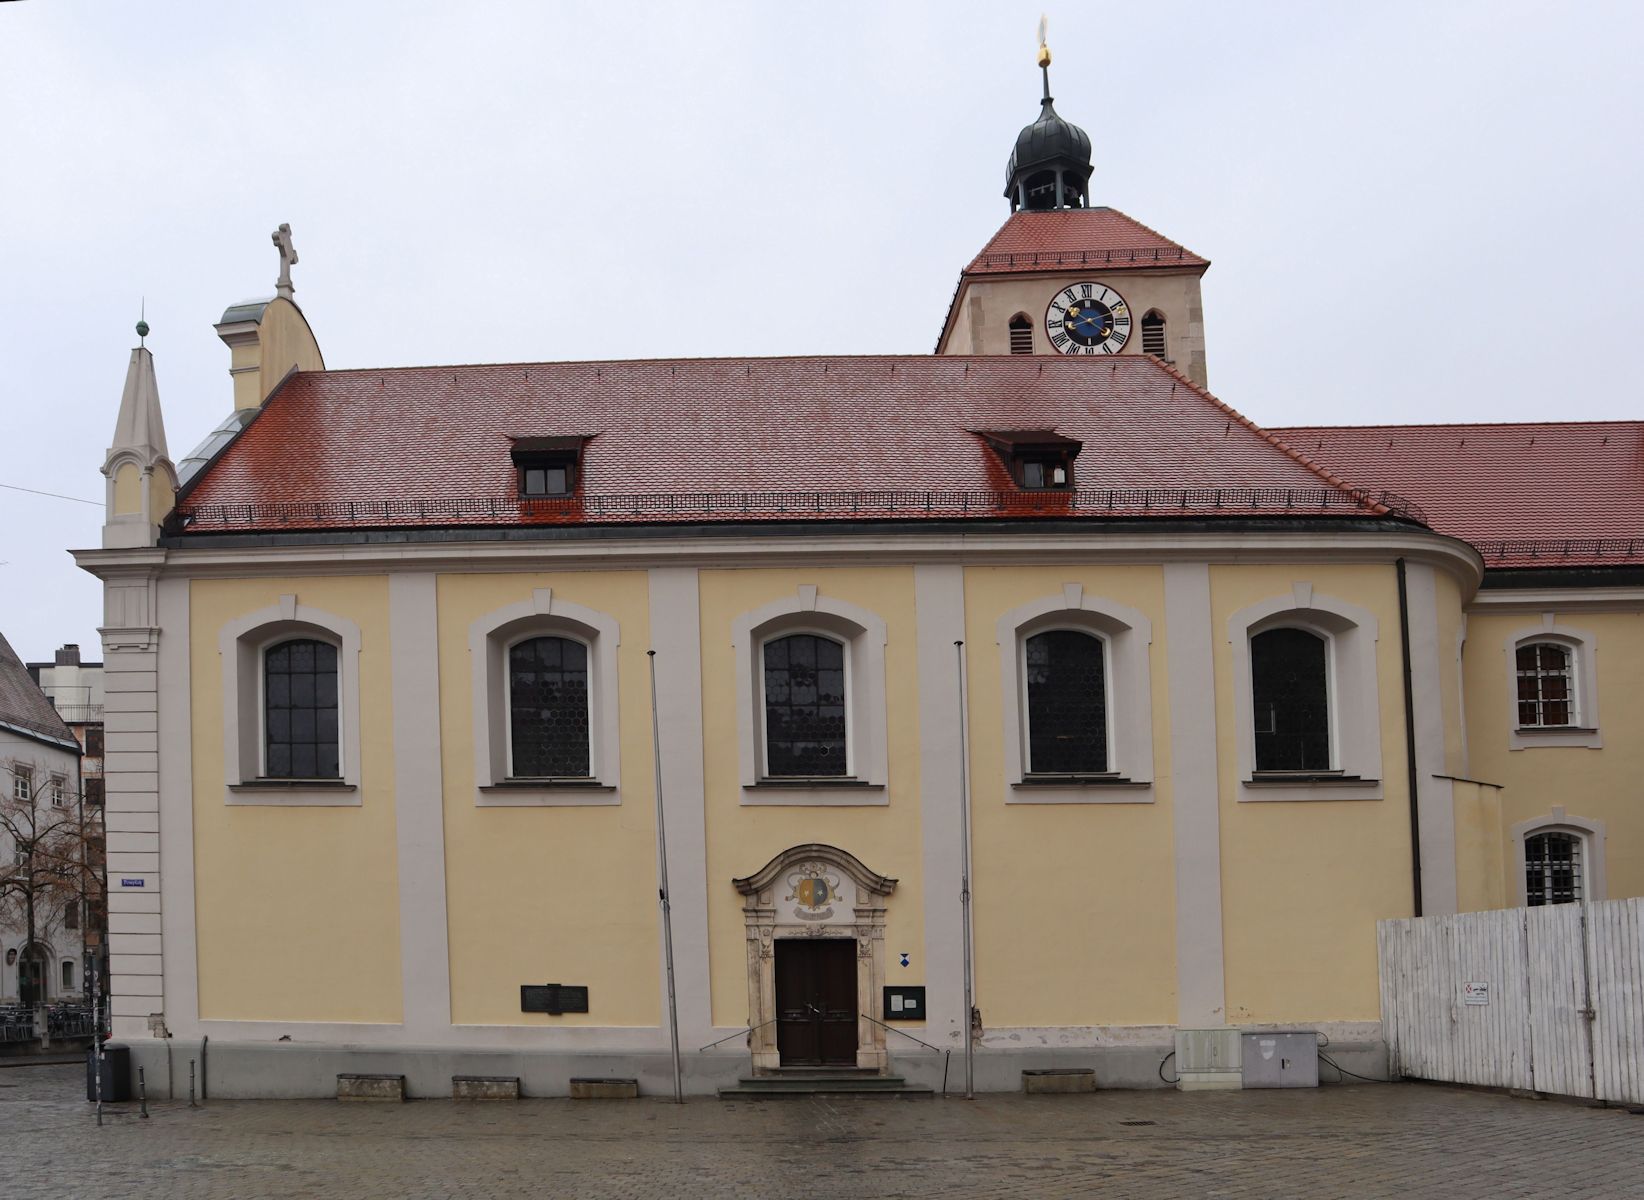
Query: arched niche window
{"points": [[1546, 686], [544, 678], [548, 717], [291, 722], [1065, 673], [1553, 866], [811, 701], [1021, 334], [805, 694], [1290, 700], [1153, 333], [300, 709], [1075, 700], [1305, 695]]}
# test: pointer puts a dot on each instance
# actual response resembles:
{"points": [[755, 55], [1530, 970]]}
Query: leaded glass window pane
{"points": [[548, 708], [1545, 697], [300, 710], [1552, 869], [1290, 701], [804, 706], [1067, 703]]}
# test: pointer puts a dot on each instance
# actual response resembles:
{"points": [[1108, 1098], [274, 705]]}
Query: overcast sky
{"points": [[1415, 211]]}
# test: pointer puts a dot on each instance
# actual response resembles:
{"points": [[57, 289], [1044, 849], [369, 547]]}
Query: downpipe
{"points": [[1410, 736]]}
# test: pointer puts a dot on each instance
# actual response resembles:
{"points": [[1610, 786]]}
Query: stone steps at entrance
{"points": [[841, 1083]]}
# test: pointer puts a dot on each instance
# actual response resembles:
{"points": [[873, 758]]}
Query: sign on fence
{"points": [[1475, 992]]}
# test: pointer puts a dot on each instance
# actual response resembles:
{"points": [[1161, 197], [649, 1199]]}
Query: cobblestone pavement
{"points": [[1365, 1141]]}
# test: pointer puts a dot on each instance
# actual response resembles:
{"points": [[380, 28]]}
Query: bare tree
{"points": [[51, 852]]}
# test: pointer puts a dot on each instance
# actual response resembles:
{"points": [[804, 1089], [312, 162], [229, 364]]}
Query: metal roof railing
{"points": [[1554, 549], [654, 507], [1065, 258]]}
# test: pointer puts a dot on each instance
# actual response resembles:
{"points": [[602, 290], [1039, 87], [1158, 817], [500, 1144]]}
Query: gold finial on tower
{"points": [[1044, 48]]}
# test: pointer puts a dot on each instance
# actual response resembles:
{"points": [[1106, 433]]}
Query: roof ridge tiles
{"points": [[1277, 442], [1463, 425]]}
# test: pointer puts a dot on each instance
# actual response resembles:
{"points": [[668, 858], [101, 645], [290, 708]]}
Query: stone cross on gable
{"points": [[288, 257]]}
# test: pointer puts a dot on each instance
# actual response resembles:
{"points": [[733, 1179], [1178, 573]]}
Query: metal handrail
{"points": [[946, 1054], [739, 1033]]}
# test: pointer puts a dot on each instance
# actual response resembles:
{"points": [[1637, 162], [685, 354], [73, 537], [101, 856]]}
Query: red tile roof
{"points": [[741, 439], [1060, 238], [1551, 494]]}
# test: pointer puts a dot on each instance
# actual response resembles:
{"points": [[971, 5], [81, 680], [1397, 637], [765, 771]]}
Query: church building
{"points": [[1028, 675]]}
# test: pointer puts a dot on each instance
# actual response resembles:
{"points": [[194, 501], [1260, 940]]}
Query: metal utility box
{"points": [[1283, 1059], [1207, 1059]]}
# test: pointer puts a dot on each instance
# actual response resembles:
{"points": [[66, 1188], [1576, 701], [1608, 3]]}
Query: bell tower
{"points": [[1063, 276]]}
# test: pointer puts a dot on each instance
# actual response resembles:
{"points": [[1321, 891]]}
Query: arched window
{"points": [[1546, 686], [300, 710], [1153, 333], [1066, 703], [804, 702], [1552, 868], [1021, 335], [548, 709], [1290, 700]]}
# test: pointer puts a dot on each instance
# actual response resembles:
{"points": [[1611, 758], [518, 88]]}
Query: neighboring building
{"points": [[39, 787], [75, 690], [1216, 699]]}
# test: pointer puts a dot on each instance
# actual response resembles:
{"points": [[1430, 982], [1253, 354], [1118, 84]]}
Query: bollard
{"points": [[142, 1093], [191, 1103]]}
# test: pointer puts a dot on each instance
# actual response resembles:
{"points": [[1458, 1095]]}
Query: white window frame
{"points": [[863, 633], [1557, 820], [242, 644], [1352, 691], [22, 784], [564, 634], [543, 614], [759, 681], [1583, 647], [1127, 637], [58, 794]]}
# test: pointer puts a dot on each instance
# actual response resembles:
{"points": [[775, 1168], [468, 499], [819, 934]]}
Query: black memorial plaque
{"points": [[553, 998]]}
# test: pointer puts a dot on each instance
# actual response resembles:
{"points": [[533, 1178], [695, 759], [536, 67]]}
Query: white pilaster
{"points": [[939, 601], [419, 803], [131, 640], [676, 635], [1195, 802]]}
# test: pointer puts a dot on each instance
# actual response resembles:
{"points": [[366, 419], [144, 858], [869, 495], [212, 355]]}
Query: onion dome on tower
{"points": [[1050, 166]]}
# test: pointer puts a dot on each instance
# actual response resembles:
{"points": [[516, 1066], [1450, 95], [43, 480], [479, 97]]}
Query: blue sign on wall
{"points": [[131, 883]]}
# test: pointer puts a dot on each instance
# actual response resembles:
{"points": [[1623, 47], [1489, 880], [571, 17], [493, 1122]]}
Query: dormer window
{"points": [[547, 467], [1038, 459]]}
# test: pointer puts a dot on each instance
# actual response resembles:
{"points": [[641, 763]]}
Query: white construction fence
{"points": [[1546, 999]]}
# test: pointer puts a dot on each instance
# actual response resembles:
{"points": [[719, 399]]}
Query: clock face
{"points": [[1088, 318]]}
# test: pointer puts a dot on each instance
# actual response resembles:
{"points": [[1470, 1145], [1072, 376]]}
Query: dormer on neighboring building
{"points": [[142, 483], [1038, 459]]}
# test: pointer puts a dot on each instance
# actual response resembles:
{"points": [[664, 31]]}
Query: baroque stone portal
{"points": [[811, 891]]}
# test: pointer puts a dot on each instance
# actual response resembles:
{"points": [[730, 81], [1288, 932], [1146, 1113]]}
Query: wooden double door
{"points": [[816, 1002]]}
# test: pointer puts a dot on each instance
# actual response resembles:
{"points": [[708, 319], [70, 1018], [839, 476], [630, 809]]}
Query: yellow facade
{"points": [[261, 873], [556, 893]]}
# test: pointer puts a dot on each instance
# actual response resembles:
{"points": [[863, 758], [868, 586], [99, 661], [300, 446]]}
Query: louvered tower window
{"points": [[1153, 333], [1552, 869], [548, 708], [1291, 705], [1021, 335], [1067, 703]]}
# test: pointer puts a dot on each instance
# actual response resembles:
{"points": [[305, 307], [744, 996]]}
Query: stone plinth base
{"points": [[485, 1087], [1058, 1081], [604, 1089], [389, 1088]]}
